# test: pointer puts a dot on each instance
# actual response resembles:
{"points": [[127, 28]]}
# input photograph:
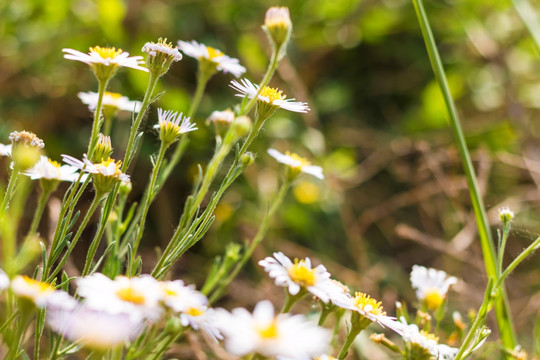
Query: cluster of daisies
{"points": [[112, 312]]}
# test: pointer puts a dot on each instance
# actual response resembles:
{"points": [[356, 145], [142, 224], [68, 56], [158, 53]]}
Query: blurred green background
{"points": [[395, 194]]}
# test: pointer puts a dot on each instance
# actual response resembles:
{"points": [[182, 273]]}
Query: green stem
{"points": [[102, 86], [95, 203], [504, 320], [506, 232], [348, 342], [130, 151], [39, 212], [517, 261], [259, 236], [95, 243], [151, 194], [10, 189]]}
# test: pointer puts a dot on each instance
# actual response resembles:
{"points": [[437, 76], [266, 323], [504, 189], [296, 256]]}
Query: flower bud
{"points": [[241, 127], [160, 56], [278, 27], [505, 215], [247, 159], [103, 149], [26, 149], [221, 120]]}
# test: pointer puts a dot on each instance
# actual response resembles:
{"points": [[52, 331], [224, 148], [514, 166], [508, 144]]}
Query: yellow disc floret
{"points": [[213, 52], [195, 311], [106, 52], [366, 303], [299, 162], [270, 331], [131, 295], [301, 274], [433, 298], [272, 94], [40, 287]]}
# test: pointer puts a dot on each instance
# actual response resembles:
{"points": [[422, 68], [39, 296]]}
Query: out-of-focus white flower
{"points": [[94, 328], [412, 335], [300, 274], [268, 95], [203, 319], [138, 296], [431, 285], [269, 335], [207, 53], [505, 215], [48, 169], [5, 150], [40, 293], [171, 125], [297, 163], [107, 56], [113, 100], [278, 25], [4, 280], [26, 138]]}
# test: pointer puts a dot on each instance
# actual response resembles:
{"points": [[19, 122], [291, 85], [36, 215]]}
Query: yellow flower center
{"points": [[433, 299], [56, 164], [272, 94], [41, 287], [298, 160], [163, 42], [114, 96], [195, 311], [429, 336], [269, 332], [106, 163], [213, 53], [131, 295], [368, 304], [106, 52], [301, 274]]}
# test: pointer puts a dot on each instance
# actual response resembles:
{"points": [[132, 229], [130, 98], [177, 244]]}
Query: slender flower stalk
{"points": [[504, 318], [96, 125]]}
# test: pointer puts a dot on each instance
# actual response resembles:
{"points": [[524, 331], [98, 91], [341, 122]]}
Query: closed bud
{"points": [[26, 149], [221, 120], [241, 127], [278, 27], [247, 159], [102, 150]]}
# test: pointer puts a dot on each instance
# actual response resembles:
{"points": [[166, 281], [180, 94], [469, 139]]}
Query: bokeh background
{"points": [[395, 194]]}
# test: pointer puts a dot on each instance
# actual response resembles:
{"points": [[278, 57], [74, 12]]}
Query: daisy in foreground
{"points": [[268, 96], [269, 335], [40, 293], [140, 297], [431, 285], [106, 56], [297, 163], [218, 59], [300, 275], [93, 328]]}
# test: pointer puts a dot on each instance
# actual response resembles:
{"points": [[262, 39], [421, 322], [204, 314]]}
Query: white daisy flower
{"points": [[369, 309], [4, 280], [269, 335], [171, 125], [40, 293], [5, 150], [431, 285], [94, 328], [106, 56], [268, 95], [202, 52], [138, 296], [162, 47], [48, 169], [203, 319], [300, 274], [297, 163], [412, 335], [113, 100], [105, 173]]}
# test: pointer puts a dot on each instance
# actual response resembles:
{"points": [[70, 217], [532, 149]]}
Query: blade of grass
{"points": [[504, 320]]}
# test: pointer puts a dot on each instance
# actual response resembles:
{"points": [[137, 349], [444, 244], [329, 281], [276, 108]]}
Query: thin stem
{"points": [[96, 125], [517, 261], [95, 203], [39, 212], [10, 189], [259, 236], [506, 232], [151, 194], [95, 243], [152, 81], [504, 320], [353, 333]]}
